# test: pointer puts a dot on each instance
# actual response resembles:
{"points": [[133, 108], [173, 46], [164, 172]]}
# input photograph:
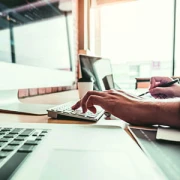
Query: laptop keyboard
{"points": [[15, 145], [64, 110]]}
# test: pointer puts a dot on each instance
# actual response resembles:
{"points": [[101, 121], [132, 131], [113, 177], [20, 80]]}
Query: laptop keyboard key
{"points": [[39, 138], [27, 132], [2, 144], [8, 148], [14, 143], [3, 154], [44, 131], [11, 165], [8, 136], [4, 140], [6, 129], [31, 143], [35, 134], [26, 148], [19, 139], [16, 131]]}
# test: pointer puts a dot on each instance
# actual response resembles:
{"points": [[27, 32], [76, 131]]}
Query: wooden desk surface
{"points": [[55, 99]]}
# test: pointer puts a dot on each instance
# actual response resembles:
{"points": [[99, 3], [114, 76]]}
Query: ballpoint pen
{"points": [[163, 85]]}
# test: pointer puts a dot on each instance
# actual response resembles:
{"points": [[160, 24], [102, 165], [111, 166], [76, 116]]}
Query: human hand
{"points": [[116, 103], [163, 92]]}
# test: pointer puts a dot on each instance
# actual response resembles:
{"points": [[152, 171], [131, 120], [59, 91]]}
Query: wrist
{"points": [[148, 112]]}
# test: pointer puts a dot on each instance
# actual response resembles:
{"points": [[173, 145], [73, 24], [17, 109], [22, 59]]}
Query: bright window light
{"points": [[138, 38]]}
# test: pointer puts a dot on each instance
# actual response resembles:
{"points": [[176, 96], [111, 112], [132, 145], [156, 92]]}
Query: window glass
{"points": [[138, 38], [37, 33], [5, 46], [43, 44]]}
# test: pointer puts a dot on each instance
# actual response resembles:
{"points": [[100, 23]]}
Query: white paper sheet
{"points": [[168, 134]]}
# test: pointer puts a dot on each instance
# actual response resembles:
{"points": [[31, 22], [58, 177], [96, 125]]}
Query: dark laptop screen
{"points": [[99, 69]]}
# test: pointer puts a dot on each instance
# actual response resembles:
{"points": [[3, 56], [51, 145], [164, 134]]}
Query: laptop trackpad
{"points": [[88, 165]]}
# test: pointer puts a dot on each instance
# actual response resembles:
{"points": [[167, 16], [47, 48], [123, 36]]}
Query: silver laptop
{"points": [[72, 152], [99, 69]]}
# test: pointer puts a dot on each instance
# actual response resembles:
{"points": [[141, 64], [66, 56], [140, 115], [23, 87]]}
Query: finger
{"points": [[158, 90], [87, 95], [95, 100], [155, 96], [77, 105], [161, 79], [92, 109], [152, 83], [160, 96]]}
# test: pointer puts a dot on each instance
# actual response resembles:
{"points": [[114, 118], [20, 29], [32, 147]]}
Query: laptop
{"points": [[73, 152], [99, 69]]}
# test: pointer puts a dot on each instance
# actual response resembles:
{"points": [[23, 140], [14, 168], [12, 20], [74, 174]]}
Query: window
{"points": [[137, 36], [47, 47], [5, 50], [37, 33]]}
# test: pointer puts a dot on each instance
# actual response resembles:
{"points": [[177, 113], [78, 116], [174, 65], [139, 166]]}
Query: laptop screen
{"points": [[99, 69]]}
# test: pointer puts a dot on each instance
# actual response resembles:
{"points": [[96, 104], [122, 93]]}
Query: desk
{"points": [[142, 83], [54, 99]]}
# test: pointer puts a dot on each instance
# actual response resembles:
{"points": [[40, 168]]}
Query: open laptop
{"points": [[73, 152], [99, 69]]}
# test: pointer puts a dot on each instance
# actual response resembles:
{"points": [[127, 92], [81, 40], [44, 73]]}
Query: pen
{"points": [[163, 85]]}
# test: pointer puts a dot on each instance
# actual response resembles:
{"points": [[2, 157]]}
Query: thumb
{"points": [[152, 83], [159, 90]]}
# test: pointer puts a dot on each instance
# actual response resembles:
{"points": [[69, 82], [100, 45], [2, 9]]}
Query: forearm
{"points": [[162, 112]]}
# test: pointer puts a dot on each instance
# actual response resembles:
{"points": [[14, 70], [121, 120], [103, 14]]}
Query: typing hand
{"points": [[112, 101]]}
